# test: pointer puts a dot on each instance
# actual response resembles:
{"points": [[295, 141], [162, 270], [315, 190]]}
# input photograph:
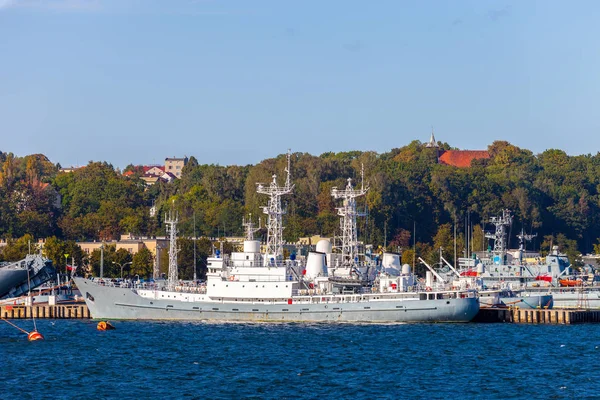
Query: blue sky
{"points": [[235, 82]]}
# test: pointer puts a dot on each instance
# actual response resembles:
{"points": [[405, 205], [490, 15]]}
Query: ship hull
{"points": [[573, 297], [11, 277], [123, 303], [525, 302]]}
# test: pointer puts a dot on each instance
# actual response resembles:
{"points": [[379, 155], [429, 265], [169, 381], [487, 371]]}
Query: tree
{"points": [[112, 259], [143, 263], [16, 250], [7, 175]]}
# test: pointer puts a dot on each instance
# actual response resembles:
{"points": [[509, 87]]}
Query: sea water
{"points": [[195, 360]]}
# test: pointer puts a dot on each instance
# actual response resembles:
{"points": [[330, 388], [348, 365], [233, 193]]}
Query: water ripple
{"points": [[199, 360]]}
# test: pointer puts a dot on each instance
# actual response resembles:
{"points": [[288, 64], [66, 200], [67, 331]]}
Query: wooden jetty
{"points": [[41, 311], [538, 316]]}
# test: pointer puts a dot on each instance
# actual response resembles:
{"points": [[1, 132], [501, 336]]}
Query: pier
{"points": [[61, 311], [485, 315], [538, 316]]}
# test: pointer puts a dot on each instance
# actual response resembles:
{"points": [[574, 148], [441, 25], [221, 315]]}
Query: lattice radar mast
{"points": [[249, 227], [274, 213], [499, 236], [348, 213], [171, 220], [523, 238]]}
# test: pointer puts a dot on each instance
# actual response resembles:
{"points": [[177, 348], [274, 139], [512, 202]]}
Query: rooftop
{"points": [[462, 158]]}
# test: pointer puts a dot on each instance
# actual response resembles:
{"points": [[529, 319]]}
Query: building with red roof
{"points": [[456, 158], [461, 158]]}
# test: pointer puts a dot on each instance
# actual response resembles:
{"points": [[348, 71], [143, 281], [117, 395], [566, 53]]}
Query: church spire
{"points": [[432, 141]]}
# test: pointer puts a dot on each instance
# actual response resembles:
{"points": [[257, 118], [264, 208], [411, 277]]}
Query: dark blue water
{"points": [[160, 360]]}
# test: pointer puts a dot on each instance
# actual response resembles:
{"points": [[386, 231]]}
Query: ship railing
{"points": [[256, 278]]}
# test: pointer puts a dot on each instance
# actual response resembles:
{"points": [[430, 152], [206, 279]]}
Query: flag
{"points": [[71, 267]]}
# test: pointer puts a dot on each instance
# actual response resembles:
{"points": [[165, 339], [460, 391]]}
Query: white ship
{"points": [[251, 285]]}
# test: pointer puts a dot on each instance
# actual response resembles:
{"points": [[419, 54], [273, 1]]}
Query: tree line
{"points": [[413, 203]]}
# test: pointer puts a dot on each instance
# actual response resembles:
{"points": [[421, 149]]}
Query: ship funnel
{"points": [[315, 265]]}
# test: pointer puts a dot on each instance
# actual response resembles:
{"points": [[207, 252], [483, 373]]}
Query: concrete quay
{"points": [[538, 316], [41, 311], [485, 315]]}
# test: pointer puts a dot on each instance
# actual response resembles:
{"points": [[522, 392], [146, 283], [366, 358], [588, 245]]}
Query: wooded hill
{"points": [[551, 193]]}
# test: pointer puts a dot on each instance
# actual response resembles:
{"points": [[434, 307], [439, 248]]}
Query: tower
{"points": [[171, 220], [249, 228], [432, 142], [523, 238], [348, 213], [499, 236], [274, 213]]}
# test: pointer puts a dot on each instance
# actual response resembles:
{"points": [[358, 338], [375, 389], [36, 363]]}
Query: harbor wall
{"points": [[537, 316], [485, 315], [61, 311]]}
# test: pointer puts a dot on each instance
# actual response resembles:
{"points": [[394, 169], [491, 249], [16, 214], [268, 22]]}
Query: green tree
{"points": [[16, 250], [143, 263]]}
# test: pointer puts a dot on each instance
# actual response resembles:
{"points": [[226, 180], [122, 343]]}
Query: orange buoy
{"points": [[105, 326], [34, 335]]}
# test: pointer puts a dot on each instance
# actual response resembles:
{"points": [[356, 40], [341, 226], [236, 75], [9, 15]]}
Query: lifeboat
{"points": [[545, 278], [570, 282]]}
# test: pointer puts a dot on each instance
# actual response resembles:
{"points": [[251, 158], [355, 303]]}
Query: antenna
{"points": [[171, 220], [348, 213], [195, 239], [288, 169], [275, 212], [249, 227], [362, 176], [499, 236]]}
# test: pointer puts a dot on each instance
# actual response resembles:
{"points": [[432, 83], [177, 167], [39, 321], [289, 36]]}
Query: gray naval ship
{"points": [[251, 285], [17, 278]]}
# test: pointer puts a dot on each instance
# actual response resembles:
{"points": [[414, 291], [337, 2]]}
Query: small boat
{"points": [[570, 282]]}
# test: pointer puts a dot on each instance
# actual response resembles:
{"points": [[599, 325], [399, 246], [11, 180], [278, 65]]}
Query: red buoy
{"points": [[34, 335]]}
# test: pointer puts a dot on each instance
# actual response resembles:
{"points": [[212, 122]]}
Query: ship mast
{"points": [[523, 238], [274, 213], [171, 220], [249, 227], [348, 213], [499, 236]]}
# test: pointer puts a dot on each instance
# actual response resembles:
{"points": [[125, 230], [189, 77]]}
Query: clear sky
{"points": [[235, 82]]}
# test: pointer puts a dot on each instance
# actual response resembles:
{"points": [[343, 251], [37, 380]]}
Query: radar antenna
{"points": [[348, 213], [499, 236], [274, 212], [523, 238], [249, 227], [171, 220]]}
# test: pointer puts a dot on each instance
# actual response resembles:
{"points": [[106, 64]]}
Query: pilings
{"points": [[537, 316], [41, 311]]}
